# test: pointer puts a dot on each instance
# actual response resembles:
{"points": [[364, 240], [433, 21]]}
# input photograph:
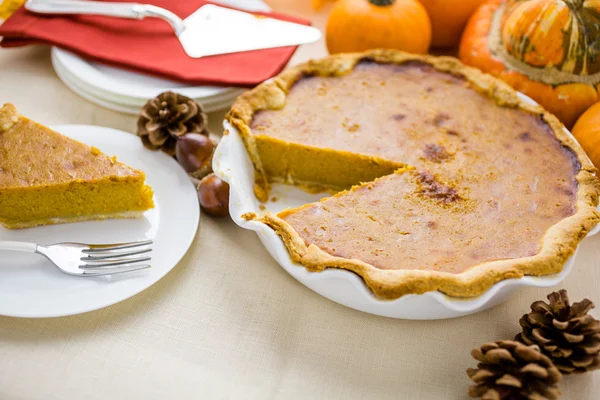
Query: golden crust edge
{"points": [[558, 244], [8, 117]]}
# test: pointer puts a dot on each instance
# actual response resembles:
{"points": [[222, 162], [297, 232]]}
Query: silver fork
{"points": [[82, 259]]}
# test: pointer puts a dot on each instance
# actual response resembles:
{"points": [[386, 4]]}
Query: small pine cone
{"points": [[509, 370], [565, 333], [166, 118]]}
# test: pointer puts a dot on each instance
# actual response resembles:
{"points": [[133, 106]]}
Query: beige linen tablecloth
{"points": [[229, 323]]}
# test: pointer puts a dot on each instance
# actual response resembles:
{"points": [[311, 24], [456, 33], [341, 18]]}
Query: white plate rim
{"points": [[111, 96], [87, 72], [193, 223], [123, 108]]}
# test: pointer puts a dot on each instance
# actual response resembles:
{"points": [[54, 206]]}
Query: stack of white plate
{"points": [[126, 91]]}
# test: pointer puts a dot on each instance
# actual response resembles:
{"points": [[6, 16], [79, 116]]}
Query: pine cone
{"points": [[167, 117], [565, 333], [512, 370]]}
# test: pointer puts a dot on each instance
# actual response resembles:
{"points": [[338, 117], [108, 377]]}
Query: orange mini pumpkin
{"points": [[448, 19], [547, 49], [587, 132], [358, 25]]}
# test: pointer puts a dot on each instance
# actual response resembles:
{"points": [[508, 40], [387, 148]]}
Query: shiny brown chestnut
{"points": [[213, 193], [194, 152]]}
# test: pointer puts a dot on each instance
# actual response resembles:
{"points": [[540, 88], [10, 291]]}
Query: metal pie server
{"points": [[210, 30]]}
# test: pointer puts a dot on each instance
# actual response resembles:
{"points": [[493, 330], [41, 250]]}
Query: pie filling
{"points": [[37, 205], [489, 180], [410, 220]]}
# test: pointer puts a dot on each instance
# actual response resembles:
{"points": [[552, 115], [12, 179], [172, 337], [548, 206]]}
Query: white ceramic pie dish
{"points": [[232, 164]]}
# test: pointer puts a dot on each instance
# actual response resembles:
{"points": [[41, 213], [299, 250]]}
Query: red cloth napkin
{"points": [[148, 46]]}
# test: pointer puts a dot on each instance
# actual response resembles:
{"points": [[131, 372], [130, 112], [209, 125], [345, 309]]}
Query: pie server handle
{"points": [[122, 10]]}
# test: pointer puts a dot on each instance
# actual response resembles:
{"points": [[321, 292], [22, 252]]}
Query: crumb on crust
{"points": [[249, 216]]}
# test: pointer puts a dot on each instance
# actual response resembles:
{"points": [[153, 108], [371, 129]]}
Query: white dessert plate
{"points": [[31, 287], [126, 83], [58, 56], [113, 102], [232, 164]]}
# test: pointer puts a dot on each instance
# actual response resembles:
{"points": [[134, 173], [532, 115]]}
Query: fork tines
{"points": [[116, 258]]}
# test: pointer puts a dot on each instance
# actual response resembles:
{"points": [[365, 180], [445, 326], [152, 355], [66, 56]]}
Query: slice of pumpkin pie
{"points": [[47, 178]]}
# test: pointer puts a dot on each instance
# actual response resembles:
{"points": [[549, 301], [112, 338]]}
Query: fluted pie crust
{"points": [[557, 244]]}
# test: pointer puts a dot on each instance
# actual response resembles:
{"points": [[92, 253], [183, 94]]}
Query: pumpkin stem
{"points": [[382, 3], [574, 4]]}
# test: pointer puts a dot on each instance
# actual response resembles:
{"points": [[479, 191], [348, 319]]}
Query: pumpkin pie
{"points": [[47, 178], [449, 180]]}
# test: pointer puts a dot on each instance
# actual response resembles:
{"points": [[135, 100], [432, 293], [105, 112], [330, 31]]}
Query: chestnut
{"points": [[194, 152], [213, 193]]}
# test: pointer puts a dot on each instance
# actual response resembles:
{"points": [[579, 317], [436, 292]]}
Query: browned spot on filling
{"points": [[432, 224], [350, 127], [436, 153], [494, 203], [440, 118], [429, 89], [525, 137], [322, 91], [569, 191], [398, 117], [452, 133], [431, 188]]}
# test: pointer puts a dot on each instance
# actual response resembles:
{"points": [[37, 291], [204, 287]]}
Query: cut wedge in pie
{"points": [[458, 182], [47, 178]]}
